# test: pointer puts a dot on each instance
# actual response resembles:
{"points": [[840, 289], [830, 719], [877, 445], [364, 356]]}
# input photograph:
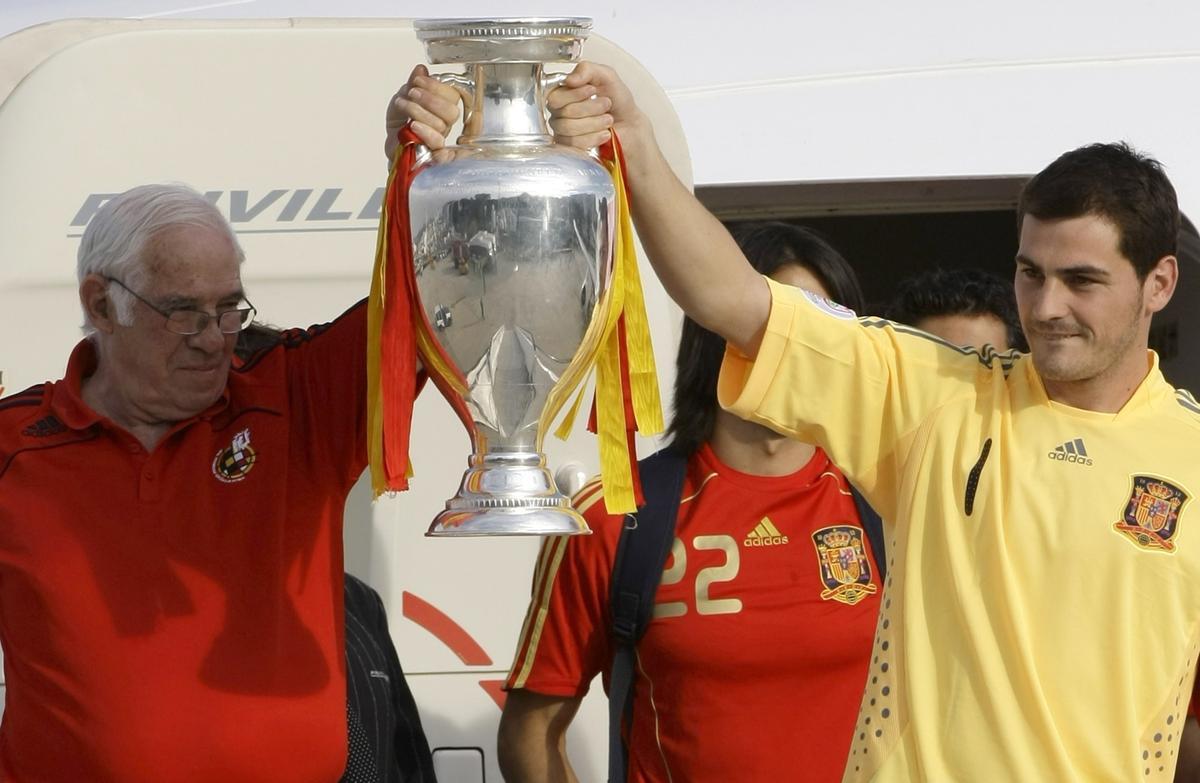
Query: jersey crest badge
{"points": [[235, 461], [829, 307], [845, 569], [1151, 518]]}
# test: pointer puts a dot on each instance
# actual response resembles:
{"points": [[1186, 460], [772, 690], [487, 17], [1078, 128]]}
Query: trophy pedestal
{"points": [[508, 494]]}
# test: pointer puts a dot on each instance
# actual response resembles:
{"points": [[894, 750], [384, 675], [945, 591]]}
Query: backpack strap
{"points": [[873, 527], [642, 552]]}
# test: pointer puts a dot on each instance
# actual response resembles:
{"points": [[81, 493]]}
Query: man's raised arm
{"points": [[698, 262]]}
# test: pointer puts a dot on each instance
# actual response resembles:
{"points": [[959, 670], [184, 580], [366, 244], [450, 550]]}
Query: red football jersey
{"points": [[754, 664], [176, 615]]}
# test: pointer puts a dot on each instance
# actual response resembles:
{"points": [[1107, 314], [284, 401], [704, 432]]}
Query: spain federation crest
{"points": [[1151, 518], [234, 462], [829, 307], [845, 568]]}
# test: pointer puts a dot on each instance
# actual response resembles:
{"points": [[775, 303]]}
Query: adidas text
{"points": [[1078, 459], [764, 540], [765, 534], [1073, 452]]}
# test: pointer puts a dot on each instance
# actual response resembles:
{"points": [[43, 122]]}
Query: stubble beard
{"points": [[1091, 359]]}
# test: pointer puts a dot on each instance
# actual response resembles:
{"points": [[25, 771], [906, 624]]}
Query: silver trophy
{"points": [[512, 241]]}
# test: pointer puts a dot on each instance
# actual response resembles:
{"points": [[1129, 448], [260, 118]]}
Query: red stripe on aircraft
{"points": [[495, 689], [446, 630]]}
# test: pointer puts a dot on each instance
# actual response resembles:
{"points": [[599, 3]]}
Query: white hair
{"points": [[114, 240]]}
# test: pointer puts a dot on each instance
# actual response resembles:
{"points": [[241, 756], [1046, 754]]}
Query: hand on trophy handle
{"points": [[591, 101], [432, 107]]}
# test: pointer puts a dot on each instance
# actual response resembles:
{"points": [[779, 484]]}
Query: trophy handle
{"points": [[460, 80], [552, 80], [466, 87]]}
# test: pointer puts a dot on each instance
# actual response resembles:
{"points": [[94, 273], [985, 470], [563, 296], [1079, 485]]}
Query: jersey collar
{"points": [[1143, 396]]}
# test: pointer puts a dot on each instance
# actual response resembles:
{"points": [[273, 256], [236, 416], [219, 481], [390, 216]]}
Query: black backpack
{"points": [[642, 551]]}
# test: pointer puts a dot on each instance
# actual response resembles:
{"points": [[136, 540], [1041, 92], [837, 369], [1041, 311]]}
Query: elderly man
{"points": [[170, 528]]}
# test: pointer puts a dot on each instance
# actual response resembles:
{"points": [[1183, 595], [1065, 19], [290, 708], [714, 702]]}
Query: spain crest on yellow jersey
{"points": [[1151, 518], [845, 568]]}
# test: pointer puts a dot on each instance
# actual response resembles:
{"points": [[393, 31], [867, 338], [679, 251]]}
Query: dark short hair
{"points": [[768, 247], [939, 292], [1115, 182]]}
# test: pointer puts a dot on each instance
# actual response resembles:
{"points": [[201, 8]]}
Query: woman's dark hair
{"points": [[768, 247]]}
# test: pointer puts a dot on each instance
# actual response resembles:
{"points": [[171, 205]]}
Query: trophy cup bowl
{"points": [[512, 243]]}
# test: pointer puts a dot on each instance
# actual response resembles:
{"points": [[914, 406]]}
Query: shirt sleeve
{"points": [[860, 388], [327, 384], [564, 642]]}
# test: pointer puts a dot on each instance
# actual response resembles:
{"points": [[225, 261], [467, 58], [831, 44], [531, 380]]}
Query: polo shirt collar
{"points": [[67, 400]]}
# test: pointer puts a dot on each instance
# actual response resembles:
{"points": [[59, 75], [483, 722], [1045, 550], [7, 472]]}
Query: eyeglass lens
{"points": [[194, 321]]}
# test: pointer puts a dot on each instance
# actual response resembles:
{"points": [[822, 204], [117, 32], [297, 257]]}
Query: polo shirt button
{"points": [[148, 475]]}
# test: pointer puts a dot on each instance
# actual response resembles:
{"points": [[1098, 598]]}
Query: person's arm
{"points": [[533, 737], [699, 264], [796, 364], [564, 643]]}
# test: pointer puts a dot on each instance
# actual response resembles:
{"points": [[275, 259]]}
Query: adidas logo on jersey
{"points": [[1072, 451], [765, 534]]}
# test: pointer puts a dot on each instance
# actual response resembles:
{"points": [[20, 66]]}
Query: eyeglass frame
{"points": [[248, 313]]}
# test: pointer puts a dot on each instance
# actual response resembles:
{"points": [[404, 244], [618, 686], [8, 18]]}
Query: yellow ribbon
{"points": [[375, 306], [601, 349]]}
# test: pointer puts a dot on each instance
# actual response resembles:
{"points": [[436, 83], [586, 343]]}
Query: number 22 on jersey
{"points": [[677, 571]]}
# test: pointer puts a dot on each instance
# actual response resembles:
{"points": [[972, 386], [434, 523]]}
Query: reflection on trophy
{"points": [[512, 246]]}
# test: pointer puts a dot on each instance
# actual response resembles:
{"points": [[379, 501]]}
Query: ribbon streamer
{"points": [[617, 345], [398, 331]]}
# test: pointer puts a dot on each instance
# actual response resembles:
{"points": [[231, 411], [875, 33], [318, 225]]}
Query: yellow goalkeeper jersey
{"points": [[1040, 616]]}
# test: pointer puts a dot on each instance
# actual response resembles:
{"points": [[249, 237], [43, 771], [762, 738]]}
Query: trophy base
{"points": [[509, 522], [508, 495]]}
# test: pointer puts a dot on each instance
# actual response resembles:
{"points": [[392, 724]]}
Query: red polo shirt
{"points": [[177, 615]]}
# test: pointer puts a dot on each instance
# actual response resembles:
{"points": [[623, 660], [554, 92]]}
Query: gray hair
{"points": [[114, 241]]}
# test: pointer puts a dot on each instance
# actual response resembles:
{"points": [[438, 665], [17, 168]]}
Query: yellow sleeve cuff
{"points": [[744, 380]]}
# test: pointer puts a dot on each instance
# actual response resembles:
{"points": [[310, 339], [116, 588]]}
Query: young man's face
{"points": [[1084, 311]]}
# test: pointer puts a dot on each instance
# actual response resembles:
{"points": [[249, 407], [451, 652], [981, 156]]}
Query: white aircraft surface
{"points": [[903, 131]]}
